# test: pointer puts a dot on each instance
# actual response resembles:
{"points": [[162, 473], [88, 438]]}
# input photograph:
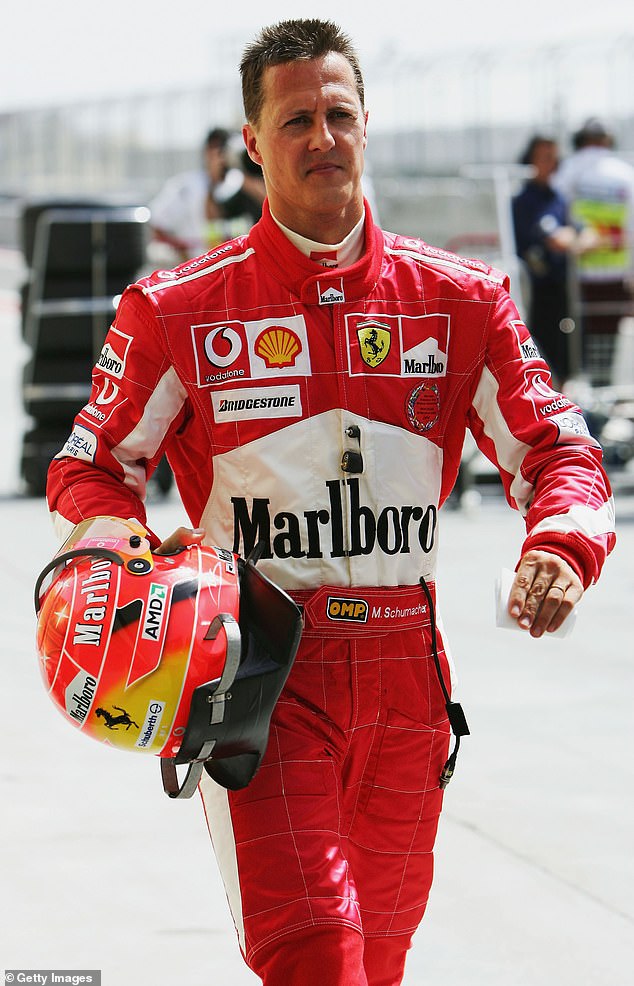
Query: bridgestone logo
{"points": [[262, 402], [255, 402]]}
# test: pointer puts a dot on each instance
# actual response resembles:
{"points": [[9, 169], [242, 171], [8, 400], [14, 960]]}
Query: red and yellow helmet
{"points": [[182, 655]]}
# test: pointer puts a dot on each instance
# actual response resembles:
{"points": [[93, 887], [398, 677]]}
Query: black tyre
{"points": [[54, 389], [74, 242], [39, 447], [56, 335]]}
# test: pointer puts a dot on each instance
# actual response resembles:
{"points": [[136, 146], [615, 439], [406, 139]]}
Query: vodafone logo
{"points": [[222, 346], [108, 392], [258, 349], [105, 403], [544, 399], [537, 382]]}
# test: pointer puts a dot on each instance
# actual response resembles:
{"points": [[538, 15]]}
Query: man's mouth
{"points": [[324, 167]]}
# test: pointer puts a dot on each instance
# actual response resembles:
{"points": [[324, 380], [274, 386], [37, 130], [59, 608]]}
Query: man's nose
{"points": [[321, 139]]}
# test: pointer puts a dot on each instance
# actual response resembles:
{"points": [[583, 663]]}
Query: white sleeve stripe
{"points": [[442, 262], [165, 402], [143, 441], [580, 518], [509, 451], [174, 282]]}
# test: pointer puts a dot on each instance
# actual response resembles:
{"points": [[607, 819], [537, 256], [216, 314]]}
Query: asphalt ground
{"points": [[535, 862]]}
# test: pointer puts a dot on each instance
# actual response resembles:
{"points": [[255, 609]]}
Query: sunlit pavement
{"points": [[535, 862]]}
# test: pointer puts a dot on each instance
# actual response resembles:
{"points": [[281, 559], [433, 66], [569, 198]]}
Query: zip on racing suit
{"points": [[321, 413]]}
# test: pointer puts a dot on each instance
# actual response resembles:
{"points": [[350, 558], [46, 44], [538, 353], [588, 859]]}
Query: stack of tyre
{"points": [[80, 255]]}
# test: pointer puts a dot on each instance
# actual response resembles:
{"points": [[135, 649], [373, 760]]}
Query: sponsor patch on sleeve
{"points": [[80, 444], [572, 427], [527, 348], [112, 358]]}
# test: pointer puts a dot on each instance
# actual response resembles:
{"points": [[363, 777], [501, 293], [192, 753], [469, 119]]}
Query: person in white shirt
{"points": [[196, 210], [599, 187]]}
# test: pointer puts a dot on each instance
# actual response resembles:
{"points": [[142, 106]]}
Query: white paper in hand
{"points": [[502, 619]]}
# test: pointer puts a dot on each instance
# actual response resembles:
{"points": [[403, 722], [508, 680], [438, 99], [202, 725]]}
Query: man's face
{"points": [[545, 160], [310, 141], [215, 157]]}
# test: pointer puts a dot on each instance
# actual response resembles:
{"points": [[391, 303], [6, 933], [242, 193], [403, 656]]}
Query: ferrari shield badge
{"points": [[374, 341]]}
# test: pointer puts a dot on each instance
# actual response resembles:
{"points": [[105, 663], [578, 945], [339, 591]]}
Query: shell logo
{"points": [[278, 346]]}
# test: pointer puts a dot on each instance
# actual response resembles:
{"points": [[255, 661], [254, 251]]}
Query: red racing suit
{"points": [[322, 413]]}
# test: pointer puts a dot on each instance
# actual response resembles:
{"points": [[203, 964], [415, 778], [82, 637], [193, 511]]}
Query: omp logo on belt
{"points": [[351, 610]]}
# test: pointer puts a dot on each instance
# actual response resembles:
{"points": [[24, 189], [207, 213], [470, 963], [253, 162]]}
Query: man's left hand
{"points": [[182, 537], [544, 592]]}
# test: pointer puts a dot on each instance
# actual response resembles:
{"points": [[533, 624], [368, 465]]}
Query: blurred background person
{"points": [[197, 210], [599, 189], [544, 239]]}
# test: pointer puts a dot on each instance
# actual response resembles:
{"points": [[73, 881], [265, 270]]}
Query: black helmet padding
{"points": [[228, 726]]}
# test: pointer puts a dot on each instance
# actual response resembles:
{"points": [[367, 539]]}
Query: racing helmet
{"points": [[182, 655]]}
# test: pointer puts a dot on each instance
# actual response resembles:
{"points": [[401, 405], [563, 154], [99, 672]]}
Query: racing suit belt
{"points": [[336, 611]]}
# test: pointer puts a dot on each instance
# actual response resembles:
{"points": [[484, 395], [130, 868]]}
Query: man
{"points": [[199, 209], [311, 383], [545, 237], [599, 189]]}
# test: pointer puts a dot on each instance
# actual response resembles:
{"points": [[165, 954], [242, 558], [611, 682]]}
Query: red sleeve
{"points": [[136, 402], [550, 465]]}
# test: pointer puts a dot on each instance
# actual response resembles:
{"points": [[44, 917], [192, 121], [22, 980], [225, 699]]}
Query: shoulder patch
{"points": [[444, 258], [235, 251]]}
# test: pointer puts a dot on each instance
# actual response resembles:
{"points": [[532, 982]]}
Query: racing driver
{"points": [[311, 383]]}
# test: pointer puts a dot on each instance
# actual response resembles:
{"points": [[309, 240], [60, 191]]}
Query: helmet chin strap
{"points": [[172, 785], [228, 725], [216, 694]]}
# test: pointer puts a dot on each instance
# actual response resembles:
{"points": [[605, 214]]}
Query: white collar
{"points": [[329, 254]]}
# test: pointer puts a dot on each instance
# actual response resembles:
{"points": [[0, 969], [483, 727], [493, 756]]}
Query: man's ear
{"points": [[251, 143]]}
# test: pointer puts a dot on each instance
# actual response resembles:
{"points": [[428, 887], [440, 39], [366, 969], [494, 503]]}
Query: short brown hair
{"points": [[290, 41]]}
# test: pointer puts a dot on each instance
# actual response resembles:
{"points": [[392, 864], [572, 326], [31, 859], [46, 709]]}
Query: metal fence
{"points": [[444, 131], [428, 115]]}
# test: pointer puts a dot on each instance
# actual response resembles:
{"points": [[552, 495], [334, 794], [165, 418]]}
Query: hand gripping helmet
{"points": [[183, 656]]}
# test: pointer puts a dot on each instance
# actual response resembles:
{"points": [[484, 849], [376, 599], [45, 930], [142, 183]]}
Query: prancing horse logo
{"points": [[113, 722], [374, 341]]}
